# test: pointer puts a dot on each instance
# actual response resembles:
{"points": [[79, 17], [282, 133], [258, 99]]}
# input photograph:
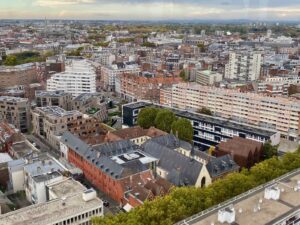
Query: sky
{"points": [[151, 9]]}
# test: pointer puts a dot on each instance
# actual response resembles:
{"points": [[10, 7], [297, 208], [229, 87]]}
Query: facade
{"points": [[92, 104], [24, 74], [135, 87], [53, 98], [208, 130], [50, 122], [271, 203], [137, 135], [109, 74], [120, 169], [15, 111], [69, 202], [277, 113], [246, 153], [243, 66], [208, 77], [78, 78], [179, 162]]}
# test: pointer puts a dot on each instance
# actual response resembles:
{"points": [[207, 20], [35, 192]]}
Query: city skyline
{"points": [[154, 10]]}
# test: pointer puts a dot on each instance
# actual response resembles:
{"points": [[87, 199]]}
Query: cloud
{"points": [[55, 3]]}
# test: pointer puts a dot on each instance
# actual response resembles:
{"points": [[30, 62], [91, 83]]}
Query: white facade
{"points": [[79, 78], [109, 74], [208, 77], [243, 66]]}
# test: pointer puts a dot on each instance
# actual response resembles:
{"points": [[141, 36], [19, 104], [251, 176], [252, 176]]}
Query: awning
{"points": [[127, 207]]}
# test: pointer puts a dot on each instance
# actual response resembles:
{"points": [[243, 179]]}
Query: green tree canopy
{"points": [[146, 117], [164, 120], [184, 129], [186, 201], [183, 75], [205, 111], [269, 151], [10, 60]]}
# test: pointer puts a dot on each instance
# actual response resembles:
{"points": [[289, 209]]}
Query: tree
{"points": [[205, 111], [183, 75], [146, 117], [164, 120], [186, 201], [10, 60], [269, 151], [184, 129]]}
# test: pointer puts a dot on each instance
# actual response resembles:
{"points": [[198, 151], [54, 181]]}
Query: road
{"points": [[43, 146]]}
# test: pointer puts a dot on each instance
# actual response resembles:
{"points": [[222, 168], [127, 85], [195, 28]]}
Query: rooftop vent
{"points": [[226, 215], [272, 193]]}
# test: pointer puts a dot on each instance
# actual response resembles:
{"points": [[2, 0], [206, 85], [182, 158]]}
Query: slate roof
{"points": [[182, 169], [172, 142], [221, 165], [99, 155]]}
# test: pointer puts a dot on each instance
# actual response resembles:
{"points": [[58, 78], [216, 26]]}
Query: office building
{"points": [[15, 111], [78, 78], [208, 130]]}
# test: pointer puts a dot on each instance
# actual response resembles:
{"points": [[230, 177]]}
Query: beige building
{"points": [[92, 104], [208, 77], [69, 203], [278, 113], [15, 111], [50, 122], [53, 98], [17, 75]]}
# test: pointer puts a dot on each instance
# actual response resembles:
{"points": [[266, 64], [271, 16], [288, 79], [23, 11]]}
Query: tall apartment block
{"points": [[53, 98], [79, 78], [277, 113], [15, 111], [243, 66]]}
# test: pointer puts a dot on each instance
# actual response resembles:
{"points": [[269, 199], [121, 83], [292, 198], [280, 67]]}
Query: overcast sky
{"points": [[151, 9]]}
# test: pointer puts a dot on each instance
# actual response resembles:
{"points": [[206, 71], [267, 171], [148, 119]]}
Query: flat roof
{"points": [[65, 188], [57, 111], [209, 119], [58, 93], [271, 211], [50, 212]]}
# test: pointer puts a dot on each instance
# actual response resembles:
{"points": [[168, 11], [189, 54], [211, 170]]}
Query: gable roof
{"points": [[221, 165], [181, 169]]}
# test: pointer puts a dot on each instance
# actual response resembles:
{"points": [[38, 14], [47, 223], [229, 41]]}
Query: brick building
{"points": [[18, 75], [136, 87], [246, 153], [119, 169]]}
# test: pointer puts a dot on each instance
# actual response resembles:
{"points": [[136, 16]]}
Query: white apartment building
{"points": [[69, 203], [277, 85], [243, 66], [78, 78], [208, 77], [277, 113], [109, 74]]}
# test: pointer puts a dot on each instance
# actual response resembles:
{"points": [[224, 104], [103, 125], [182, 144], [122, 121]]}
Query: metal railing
{"points": [[236, 198]]}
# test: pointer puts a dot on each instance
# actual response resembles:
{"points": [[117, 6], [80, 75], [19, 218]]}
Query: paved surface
{"points": [[43, 146]]}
